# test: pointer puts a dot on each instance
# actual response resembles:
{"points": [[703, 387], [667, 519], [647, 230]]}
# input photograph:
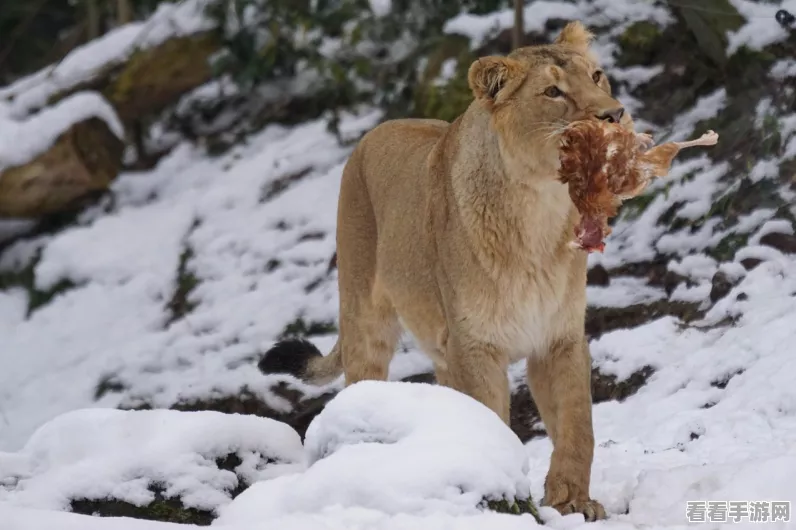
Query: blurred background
{"points": [[169, 174]]}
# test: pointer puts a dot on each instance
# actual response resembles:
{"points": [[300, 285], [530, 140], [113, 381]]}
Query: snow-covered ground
{"points": [[255, 228]]}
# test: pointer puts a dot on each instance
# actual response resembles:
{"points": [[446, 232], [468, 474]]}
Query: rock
{"points": [[81, 164], [524, 416], [164, 509], [600, 320], [303, 409], [157, 465], [750, 263], [607, 387], [721, 286], [783, 242], [597, 275], [656, 272]]}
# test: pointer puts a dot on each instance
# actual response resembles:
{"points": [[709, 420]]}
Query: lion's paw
{"points": [[591, 509], [566, 497]]}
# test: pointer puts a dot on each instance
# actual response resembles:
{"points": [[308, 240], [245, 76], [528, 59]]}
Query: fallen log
{"points": [[81, 163]]}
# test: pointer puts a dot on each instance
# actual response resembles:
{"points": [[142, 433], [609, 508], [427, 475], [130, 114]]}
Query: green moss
{"points": [[515, 507], [638, 43], [180, 303], [449, 47], [25, 278], [447, 100], [728, 246], [633, 208], [108, 384], [162, 509]]}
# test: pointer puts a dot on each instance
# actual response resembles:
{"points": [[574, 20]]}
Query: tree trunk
{"points": [[709, 21], [92, 19], [81, 163], [124, 12], [518, 35]]}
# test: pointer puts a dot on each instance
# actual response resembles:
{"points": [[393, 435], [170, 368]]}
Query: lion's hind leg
{"points": [[369, 338]]}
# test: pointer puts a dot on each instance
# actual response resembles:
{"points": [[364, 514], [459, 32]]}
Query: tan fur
{"points": [[460, 232]]}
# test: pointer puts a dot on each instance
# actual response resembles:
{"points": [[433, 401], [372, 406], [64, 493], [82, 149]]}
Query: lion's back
{"points": [[402, 137], [392, 160]]}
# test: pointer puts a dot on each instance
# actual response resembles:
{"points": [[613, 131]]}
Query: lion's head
{"points": [[534, 92]]}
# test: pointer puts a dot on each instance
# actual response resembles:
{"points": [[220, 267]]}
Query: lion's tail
{"points": [[302, 359]]}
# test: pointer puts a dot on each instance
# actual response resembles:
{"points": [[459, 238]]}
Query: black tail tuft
{"points": [[289, 356]]}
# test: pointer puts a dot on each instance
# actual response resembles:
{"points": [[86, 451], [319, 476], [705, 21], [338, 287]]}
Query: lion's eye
{"points": [[553, 92], [597, 76]]}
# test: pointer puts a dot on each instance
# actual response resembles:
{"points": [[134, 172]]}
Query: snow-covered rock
{"points": [[398, 448], [98, 454]]}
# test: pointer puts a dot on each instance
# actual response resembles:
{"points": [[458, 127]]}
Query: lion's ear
{"points": [[494, 78], [575, 35]]}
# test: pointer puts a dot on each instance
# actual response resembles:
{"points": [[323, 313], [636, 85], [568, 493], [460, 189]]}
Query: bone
{"points": [[709, 138]]}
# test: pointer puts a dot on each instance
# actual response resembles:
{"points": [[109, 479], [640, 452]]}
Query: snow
{"points": [[705, 108], [715, 421], [479, 27], [175, 19], [623, 292], [536, 14], [124, 264], [380, 8], [98, 453], [331, 519], [760, 28], [783, 69], [22, 140], [397, 448], [635, 76]]}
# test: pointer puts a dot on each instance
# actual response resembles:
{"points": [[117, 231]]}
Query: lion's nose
{"points": [[612, 115]]}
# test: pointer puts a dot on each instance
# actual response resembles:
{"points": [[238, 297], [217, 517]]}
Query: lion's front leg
{"points": [[560, 384], [477, 369]]}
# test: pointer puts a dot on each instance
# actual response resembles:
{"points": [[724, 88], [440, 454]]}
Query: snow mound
{"points": [[104, 453], [22, 140], [399, 448]]}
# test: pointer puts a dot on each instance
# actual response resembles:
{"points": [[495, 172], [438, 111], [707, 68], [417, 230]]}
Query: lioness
{"points": [[460, 232]]}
